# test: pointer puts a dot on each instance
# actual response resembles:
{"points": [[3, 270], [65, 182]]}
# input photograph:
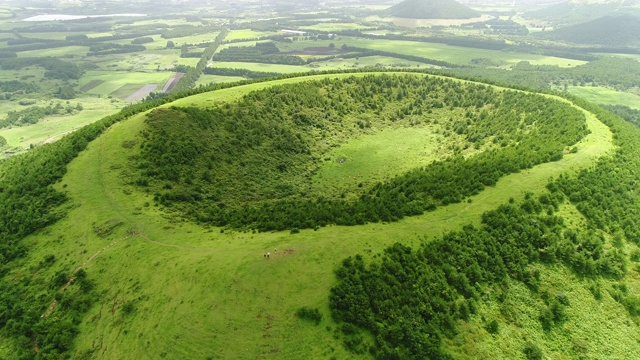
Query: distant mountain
{"points": [[579, 11], [622, 30], [430, 9]]}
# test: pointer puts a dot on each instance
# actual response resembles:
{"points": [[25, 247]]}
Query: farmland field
{"points": [[334, 26], [208, 79], [61, 52], [93, 109], [111, 81], [453, 54], [142, 61], [605, 96], [246, 34]]}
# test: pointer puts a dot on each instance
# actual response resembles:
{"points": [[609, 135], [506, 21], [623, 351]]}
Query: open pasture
{"points": [[453, 54], [205, 79], [142, 61], [284, 69], [605, 96], [66, 52], [54, 126], [247, 34], [329, 26], [456, 54], [197, 292]]}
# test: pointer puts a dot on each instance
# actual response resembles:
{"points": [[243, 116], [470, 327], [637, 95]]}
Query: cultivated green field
{"points": [[112, 81], [201, 293], [605, 96], [151, 60], [208, 79], [333, 26], [62, 52], [246, 34], [452, 54], [52, 127]]}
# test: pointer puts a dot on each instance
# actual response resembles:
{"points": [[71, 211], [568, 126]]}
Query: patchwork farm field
{"points": [[53, 127], [247, 34], [121, 84], [453, 54]]}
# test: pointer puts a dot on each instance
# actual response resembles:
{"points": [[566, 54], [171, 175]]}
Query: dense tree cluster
{"points": [[266, 52], [409, 300], [55, 68], [112, 48], [33, 114], [15, 86], [193, 74], [252, 163], [239, 72]]}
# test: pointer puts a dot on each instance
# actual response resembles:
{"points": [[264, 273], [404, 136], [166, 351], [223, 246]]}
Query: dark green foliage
{"points": [[112, 48], [192, 74], [410, 299], [33, 114], [56, 69], [239, 72], [625, 112], [65, 92], [430, 9], [621, 30], [361, 52], [80, 37], [3, 141], [532, 352], [15, 86], [307, 313], [493, 327], [8, 55], [228, 164], [142, 40], [266, 52]]}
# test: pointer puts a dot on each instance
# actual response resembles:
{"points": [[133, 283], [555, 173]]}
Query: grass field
{"points": [[283, 69], [94, 109], [201, 293], [246, 34], [333, 26], [453, 54], [374, 158], [605, 96], [114, 80], [207, 79], [333, 64], [150, 60], [61, 52]]}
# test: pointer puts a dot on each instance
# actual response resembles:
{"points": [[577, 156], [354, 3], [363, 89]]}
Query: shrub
{"points": [[308, 313]]}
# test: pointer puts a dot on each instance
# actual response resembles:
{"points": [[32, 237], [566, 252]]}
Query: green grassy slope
{"points": [[197, 293], [607, 31]]}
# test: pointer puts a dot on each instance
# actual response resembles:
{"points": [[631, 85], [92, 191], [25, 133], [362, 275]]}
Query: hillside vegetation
{"points": [[504, 274], [617, 31], [253, 164], [430, 9]]}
